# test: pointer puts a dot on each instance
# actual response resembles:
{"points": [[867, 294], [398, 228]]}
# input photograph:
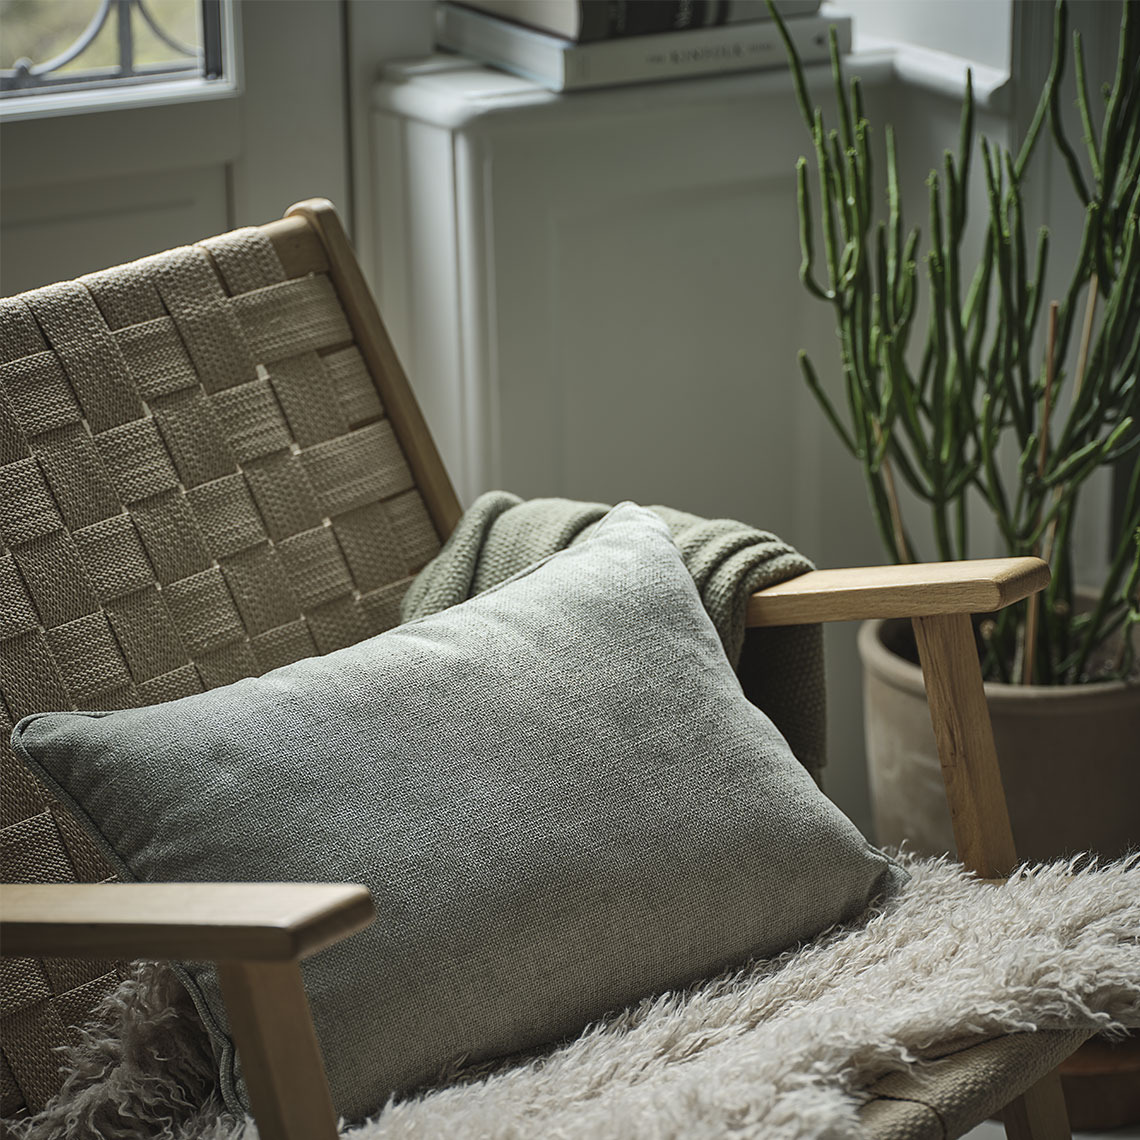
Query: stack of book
{"points": [[567, 45]]}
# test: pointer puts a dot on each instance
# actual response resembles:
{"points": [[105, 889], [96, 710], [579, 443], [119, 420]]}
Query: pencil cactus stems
{"points": [[940, 409]]}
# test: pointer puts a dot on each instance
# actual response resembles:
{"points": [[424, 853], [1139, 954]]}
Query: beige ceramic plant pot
{"points": [[1069, 756]]}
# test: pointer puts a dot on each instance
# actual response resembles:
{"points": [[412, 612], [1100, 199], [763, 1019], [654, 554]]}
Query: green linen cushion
{"points": [[557, 793]]}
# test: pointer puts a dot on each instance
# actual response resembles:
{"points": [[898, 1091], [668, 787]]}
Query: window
{"points": [[56, 46]]}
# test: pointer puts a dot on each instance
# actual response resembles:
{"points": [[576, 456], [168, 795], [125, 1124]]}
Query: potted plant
{"points": [[1008, 397]]}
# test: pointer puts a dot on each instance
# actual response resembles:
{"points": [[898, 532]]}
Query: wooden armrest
{"points": [[918, 590], [266, 922]]}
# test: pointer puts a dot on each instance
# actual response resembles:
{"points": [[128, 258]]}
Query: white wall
{"points": [[977, 30], [376, 31], [92, 188], [96, 187]]}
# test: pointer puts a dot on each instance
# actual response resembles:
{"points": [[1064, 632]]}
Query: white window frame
{"points": [[45, 103]]}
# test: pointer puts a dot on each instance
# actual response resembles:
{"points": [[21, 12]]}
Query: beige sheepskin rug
{"points": [[779, 1050]]}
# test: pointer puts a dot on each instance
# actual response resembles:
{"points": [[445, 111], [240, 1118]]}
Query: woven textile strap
{"points": [[197, 483], [949, 1095]]}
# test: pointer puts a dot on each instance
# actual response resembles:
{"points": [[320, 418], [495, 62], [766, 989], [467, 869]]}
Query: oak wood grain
{"points": [[375, 346], [298, 246], [856, 593], [1039, 1113], [272, 1028], [961, 720], [972, 779], [208, 921]]}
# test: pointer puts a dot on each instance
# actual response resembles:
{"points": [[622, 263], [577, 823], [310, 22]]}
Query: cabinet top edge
{"points": [[449, 91]]}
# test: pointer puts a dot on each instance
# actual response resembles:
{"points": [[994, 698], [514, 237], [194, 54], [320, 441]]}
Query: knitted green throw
{"points": [[781, 669]]}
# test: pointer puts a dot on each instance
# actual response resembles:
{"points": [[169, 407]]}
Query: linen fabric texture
{"points": [[780, 668], [557, 793]]}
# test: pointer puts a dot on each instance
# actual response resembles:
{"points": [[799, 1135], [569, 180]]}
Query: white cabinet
{"points": [[596, 296]]}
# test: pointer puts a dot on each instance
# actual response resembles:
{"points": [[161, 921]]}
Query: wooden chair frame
{"points": [[258, 933]]}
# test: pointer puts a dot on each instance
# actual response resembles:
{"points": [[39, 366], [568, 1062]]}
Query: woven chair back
{"points": [[200, 479]]}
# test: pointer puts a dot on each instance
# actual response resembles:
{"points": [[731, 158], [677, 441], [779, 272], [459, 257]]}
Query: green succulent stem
{"points": [[978, 392]]}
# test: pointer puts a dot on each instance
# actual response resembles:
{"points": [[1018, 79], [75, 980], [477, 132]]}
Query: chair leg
{"points": [[1039, 1113], [961, 720], [974, 791], [281, 1060]]}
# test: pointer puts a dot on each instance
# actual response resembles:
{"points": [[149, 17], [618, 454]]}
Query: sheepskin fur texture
{"points": [[778, 1050]]}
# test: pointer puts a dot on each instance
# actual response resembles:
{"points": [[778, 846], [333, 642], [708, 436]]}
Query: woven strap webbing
{"points": [[950, 1095], [197, 483]]}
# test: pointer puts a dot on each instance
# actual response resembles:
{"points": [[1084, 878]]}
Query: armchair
{"points": [[200, 499]]}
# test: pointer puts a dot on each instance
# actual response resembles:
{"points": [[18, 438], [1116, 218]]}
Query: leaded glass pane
{"points": [[54, 45]]}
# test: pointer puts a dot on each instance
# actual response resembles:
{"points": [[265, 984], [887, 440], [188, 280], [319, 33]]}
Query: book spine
{"points": [[596, 17], [693, 14], [613, 19], [732, 47]]}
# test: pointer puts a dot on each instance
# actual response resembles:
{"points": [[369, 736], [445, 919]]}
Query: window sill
{"points": [[48, 105], [939, 72]]}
